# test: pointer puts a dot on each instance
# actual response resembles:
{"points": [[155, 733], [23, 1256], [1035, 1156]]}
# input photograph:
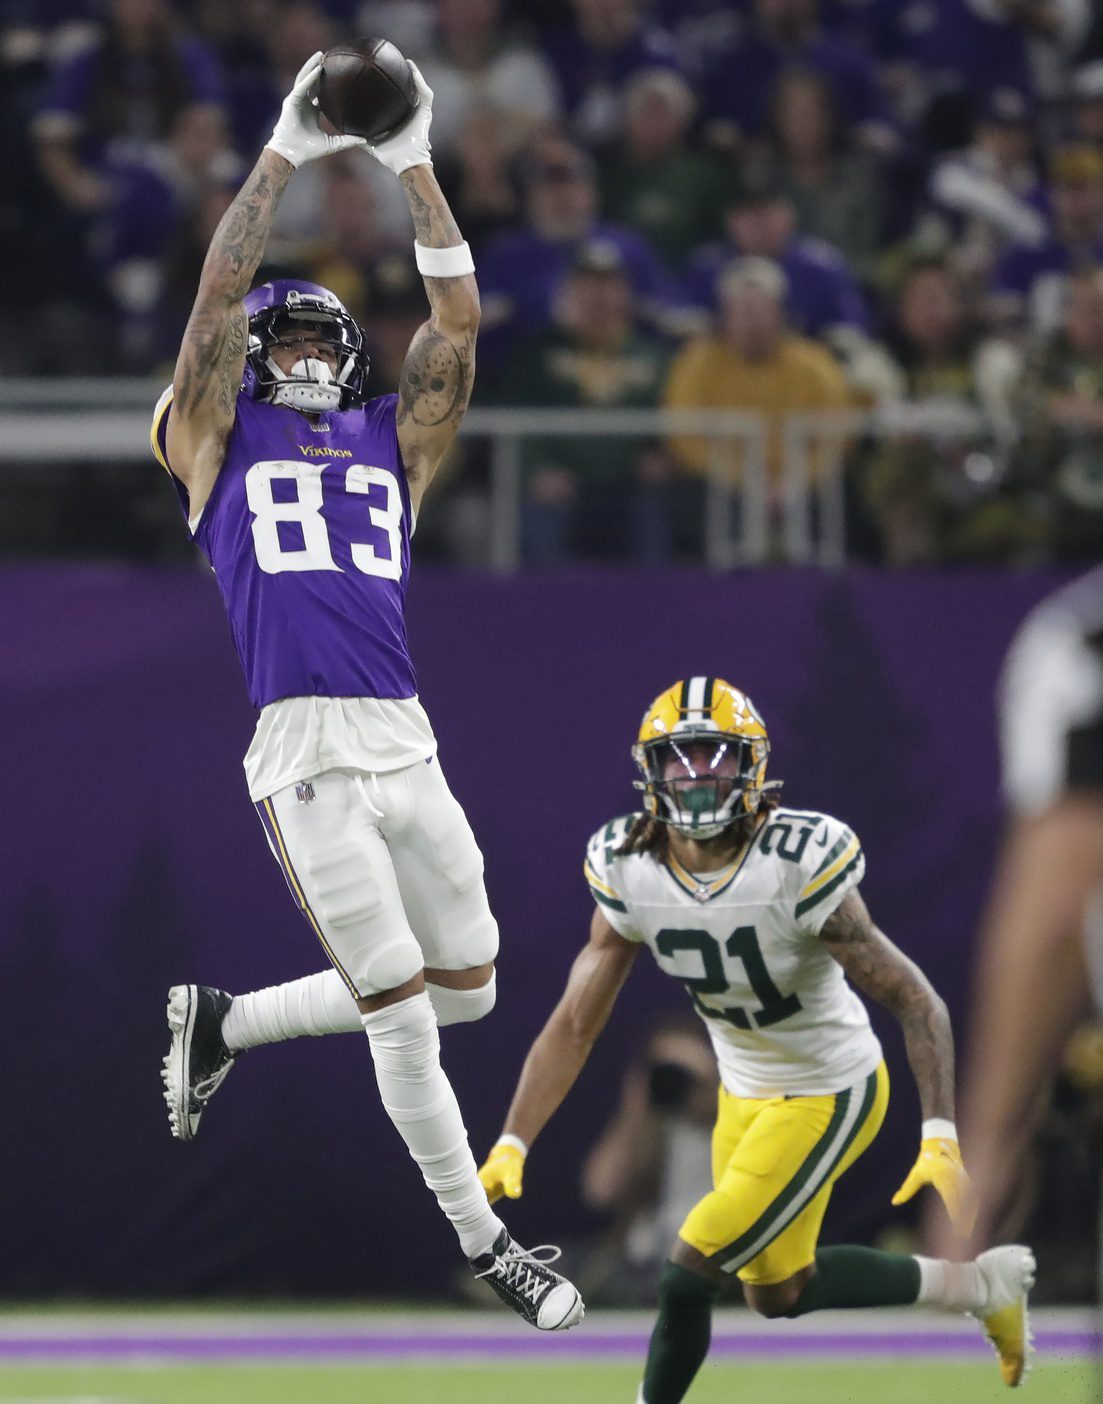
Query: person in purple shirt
{"points": [[521, 271], [739, 83], [609, 42], [760, 222], [303, 499], [1030, 277]]}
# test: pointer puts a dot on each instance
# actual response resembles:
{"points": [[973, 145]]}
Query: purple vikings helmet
{"points": [[277, 309]]}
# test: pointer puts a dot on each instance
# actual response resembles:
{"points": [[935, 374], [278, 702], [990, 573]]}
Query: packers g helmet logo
{"points": [[702, 751]]}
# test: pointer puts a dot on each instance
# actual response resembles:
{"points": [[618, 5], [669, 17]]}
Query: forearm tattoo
{"points": [[876, 967], [214, 343]]}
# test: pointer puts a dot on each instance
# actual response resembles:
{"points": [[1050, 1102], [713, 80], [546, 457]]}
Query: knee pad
{"points": [[462, 1006], [374, 953]]}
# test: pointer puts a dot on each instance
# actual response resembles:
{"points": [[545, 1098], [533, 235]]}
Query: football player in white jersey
{"points": [[755, 909]]}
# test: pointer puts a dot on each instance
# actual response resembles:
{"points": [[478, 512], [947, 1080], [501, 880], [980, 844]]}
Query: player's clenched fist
{"points": [[503, 1171], [940, 1164]]}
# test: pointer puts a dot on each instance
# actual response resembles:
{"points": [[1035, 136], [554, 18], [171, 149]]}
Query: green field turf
{"points": [[902, 1382]]}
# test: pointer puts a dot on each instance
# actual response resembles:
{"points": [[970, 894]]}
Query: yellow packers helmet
{"points": [[702, 753]]}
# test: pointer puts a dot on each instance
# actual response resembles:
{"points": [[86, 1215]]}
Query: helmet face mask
{"points": [[286, 310], [702, 754]]}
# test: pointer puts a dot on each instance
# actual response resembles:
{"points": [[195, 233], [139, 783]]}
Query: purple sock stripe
{"points": [[197, 1348]]}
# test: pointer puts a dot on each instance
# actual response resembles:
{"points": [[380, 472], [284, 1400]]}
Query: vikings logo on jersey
{"points": [[702, 751]]}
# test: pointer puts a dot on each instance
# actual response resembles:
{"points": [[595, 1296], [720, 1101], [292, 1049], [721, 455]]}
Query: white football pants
{"points": [[386, 870]]}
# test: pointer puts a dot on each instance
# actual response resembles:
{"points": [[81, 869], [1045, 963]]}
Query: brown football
{"points": [[367, 89]]}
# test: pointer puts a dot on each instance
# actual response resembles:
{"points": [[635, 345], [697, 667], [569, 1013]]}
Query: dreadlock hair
{"points": [[651, 835]]}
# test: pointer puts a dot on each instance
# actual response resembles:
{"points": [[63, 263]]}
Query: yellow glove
{"points": [[940, 1164], [503, 1169]]}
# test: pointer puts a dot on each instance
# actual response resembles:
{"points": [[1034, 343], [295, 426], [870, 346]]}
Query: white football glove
{"points": [[410, 144], [298, 135]]}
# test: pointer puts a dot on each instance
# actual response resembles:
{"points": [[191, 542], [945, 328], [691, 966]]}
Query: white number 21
{"points": [[305, 509]]}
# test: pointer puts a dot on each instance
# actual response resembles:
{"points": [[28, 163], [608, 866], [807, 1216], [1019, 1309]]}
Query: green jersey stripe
{"points": [[836, 849], [606, 901], [828, 887]]}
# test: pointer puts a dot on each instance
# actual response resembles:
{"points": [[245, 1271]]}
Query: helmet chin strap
{"points": [[310, 386]]}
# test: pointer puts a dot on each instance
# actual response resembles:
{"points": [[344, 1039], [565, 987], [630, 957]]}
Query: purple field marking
{"points": [[433, 1346]]}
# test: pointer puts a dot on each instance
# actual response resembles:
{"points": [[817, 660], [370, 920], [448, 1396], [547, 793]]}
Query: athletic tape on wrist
{"points": [[444, 263], [939, 1129], [514, 1141]]}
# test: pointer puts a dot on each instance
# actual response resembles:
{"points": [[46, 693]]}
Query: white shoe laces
{"points": [[515, 1268], [205, 1090]]}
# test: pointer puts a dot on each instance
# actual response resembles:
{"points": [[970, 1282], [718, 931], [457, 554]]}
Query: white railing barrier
{"points": [[91, 420]]}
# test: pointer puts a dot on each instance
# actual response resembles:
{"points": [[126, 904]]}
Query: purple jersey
{"points": [[308, 531]]}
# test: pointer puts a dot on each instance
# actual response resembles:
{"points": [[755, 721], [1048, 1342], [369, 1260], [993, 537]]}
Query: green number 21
{"points": [[742, 945]]}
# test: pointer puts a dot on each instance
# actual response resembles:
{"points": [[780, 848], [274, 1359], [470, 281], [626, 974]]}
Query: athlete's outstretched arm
{"points": [[882, 971], [212, 354], [560, 1052], [439, 371]]}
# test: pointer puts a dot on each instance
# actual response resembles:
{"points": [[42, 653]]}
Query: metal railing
{"points": [[105, 421]]}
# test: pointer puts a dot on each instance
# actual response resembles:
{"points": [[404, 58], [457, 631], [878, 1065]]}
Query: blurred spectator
{"points": [[1062, 451], [834, 189], [934, 485], [741, 81], [519, 272], [117, 98], [392, 307], [651, 1163], [473, 66], [597, 496], [608, 43], [351, 241], [700, 28], [1086, 104], [482, 193], [939, 55], [988, 195], [1029, 278], [755, 362], [760, 222], [650, 180], [182, 266]]}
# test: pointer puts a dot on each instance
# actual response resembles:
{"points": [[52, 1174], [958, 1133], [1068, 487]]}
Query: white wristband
{"points": [[939, 1129], [453, 262], [514, 1141]]}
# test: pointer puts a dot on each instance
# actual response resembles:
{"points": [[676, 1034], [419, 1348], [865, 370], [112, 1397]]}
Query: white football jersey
{"points": [[745, 943]]}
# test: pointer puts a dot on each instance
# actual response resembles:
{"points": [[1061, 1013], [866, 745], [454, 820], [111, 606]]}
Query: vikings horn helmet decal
{"points": [[278, 310], [702, 751]]}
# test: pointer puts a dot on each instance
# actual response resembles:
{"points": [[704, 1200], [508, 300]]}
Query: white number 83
{"points": [[305, 510]]}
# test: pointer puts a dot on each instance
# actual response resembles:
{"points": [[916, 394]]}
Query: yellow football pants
{"points": [[774, 1162]]}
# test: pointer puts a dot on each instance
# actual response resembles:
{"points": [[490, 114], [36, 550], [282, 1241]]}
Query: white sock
{"points": [[418, 1098], [315, 1005], [952, 1286], [322, 1004]]}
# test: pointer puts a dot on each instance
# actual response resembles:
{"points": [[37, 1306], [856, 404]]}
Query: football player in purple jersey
{"points": [[303, 498]]}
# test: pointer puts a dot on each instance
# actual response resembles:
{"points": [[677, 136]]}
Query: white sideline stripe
{"points": [[372, 1323]]}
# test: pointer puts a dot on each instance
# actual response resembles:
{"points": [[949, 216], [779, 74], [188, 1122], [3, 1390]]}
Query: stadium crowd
{"points": [[886, 206]]}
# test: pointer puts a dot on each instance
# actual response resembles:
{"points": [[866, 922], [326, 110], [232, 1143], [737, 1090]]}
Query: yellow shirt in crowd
{"points": [[708, 374]]}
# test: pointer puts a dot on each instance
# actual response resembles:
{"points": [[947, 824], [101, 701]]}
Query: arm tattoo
{"points": [[213, 350], [880, 970], [434, 225], [435, 385]]}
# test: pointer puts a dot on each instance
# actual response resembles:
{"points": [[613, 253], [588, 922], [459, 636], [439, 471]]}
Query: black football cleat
{"points": [[527, 1285], [198, 1061]]}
